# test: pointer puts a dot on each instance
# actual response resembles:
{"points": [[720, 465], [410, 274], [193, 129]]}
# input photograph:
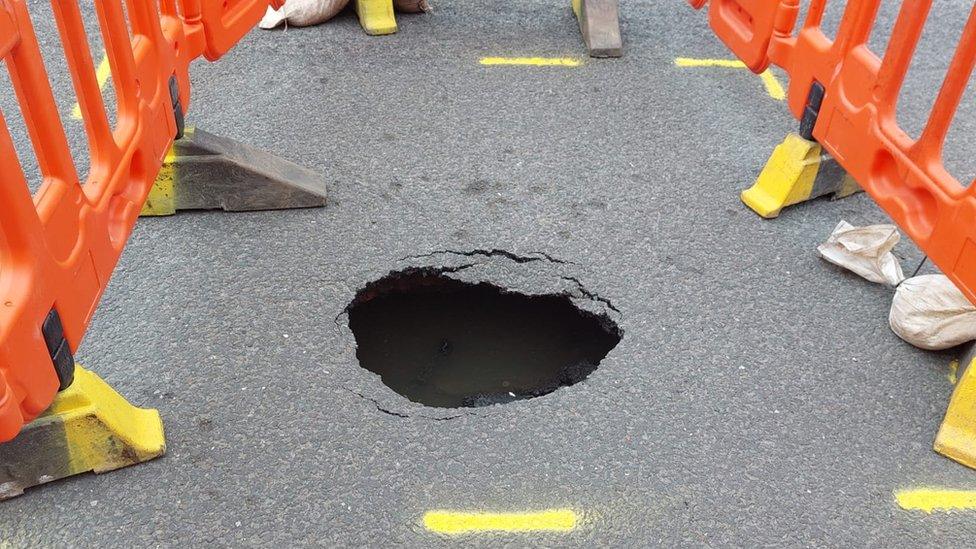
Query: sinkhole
{"points": [[446, 343]]}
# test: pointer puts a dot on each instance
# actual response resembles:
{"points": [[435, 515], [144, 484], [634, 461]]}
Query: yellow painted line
{"points": [[929, 499], [102, 74], [453, 522], [953, 375], [773, 87], [533, 61], [727, 63]]}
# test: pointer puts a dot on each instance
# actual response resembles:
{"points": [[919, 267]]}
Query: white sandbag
{"points": [[302, 13], [411, 6], [865, 251], [928, 311]]}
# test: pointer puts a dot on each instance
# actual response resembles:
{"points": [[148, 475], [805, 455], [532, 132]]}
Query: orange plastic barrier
{"points": [[856, 123], [58, 248]]}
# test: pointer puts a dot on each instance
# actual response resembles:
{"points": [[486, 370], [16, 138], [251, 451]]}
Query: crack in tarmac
{"points": [[592, 296], [495, 252], [379, 407], [434, 270]]}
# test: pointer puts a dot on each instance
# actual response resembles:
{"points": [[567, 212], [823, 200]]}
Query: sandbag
{"points": [[411, 6], [302, 13], [929, 312], [866, 251]]}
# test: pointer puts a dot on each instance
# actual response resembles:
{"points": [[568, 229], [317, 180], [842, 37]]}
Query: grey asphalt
{"points": [[757, 398]]}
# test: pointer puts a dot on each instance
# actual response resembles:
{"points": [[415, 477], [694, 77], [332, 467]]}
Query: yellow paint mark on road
{"points": [[102, 74], [773, 87], [769, 80], [953, 374], [533, 61], [727, 63], [453, 522], [931, 499]]}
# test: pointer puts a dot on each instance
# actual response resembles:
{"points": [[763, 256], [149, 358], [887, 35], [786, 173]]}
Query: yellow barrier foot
{"points": [[957, 436], [376, 16], [797, 171], [89, 427], [599, 22], [205, 172]]}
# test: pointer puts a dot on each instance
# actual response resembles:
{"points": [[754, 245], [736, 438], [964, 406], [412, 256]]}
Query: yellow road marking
{"points": [[534, 61], [769, 80], [953, 374], [102, 74], [929, 499], [727, 63], [773, 87], [452, 522]]}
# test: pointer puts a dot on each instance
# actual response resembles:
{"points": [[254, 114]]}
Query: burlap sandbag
{"points": [[928, 311], [302, 13], [411, 6]]}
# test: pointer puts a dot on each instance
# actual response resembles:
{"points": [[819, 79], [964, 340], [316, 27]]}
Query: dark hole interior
{"points": [[448, 344]]}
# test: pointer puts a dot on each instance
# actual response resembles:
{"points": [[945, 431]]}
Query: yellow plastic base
{"points": [[162, 194], [787, 178], [376, 16], [161, 200], [89, 427], [957, 436]]}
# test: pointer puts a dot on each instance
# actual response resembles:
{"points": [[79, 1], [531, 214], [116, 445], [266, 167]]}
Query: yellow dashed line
{"points": [[727, 63], [534, 61], [773, 87], [928, 500], [102, 74], [452, 522]]}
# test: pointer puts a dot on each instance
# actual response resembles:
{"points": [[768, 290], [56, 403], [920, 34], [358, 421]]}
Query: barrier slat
{"points": [[953, 88], [21, 251], [115, 37], [82, 68], [901, 49], [37, 103], [19, 223]]}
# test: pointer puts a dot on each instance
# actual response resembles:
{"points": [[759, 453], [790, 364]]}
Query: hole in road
{"points": [[445, 343]]}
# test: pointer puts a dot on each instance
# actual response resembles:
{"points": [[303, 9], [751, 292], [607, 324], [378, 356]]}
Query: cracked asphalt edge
{"points": [[546, 283]]}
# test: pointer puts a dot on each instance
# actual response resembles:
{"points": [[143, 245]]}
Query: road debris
{"points": [[865, 251]]}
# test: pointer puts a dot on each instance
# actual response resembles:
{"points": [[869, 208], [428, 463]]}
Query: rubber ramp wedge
{"points": [[89, 428], [599, 22], [206, 172]]}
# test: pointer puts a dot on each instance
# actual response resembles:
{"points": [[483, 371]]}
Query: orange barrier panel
{"points": [[59, 247], [856, 120]]}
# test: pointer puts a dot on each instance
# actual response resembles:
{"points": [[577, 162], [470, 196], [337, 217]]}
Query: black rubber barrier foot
{"points": [[207, 172]]}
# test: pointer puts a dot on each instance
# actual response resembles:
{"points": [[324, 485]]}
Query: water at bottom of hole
{"points": [[446, 344]]}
